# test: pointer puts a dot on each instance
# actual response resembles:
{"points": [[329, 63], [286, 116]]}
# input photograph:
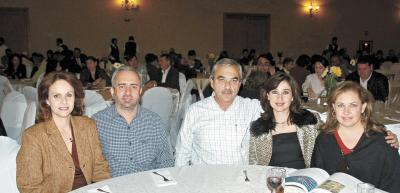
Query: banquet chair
{"points": [[386, 65], [159, 100], [12, 113], [394, 92], [182, 81], [39, 80], [396, 70], [186, 100], [94, 102], [30, 93], [5, 88], [29, 116], [8, 152]]}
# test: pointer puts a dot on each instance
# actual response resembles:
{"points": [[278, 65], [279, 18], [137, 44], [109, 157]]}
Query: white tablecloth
{"points": [[193, 179]]}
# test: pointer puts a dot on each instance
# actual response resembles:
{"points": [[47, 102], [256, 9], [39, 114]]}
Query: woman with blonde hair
{"points": [[351, 141], [62, 151]]}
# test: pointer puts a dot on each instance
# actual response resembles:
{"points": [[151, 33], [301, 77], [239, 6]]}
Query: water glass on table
{"points": [[365, 188], [275, 177]]}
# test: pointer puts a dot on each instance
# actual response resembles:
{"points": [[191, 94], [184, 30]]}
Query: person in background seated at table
{"points": [[152, 65], [133, 138], [314, 84], [167, 76], [93, 75], [351, 141], [374, 82], [285, 133], [215, 129], [253, 86], [133, 62], [16, 70], [62, 152]]}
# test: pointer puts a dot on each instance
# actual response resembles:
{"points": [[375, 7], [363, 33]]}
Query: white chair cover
{"points": [[8, 153], [184, 103], [12, 114], [29, 116], [30, 94], [386, 65], [396, 70], [159, 100], [5, 88], [94, 102], [39, 80], [182, 81]]}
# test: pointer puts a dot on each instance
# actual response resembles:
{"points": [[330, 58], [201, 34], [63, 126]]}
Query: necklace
{"points": [[63, 135], [281, 123]]}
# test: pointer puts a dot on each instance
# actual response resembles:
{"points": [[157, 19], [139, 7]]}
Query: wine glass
{"points": [[275, 177]]}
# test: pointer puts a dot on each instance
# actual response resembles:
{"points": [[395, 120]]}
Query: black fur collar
{"points": [[261, 126]]}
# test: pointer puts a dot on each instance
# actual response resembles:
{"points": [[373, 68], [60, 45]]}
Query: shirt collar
{"points": [[217, 105], [115, 114], [166, 70], [367, 78]]}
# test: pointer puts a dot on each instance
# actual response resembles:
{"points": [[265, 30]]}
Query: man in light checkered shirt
{"points": [[133, 138], [216, 130]]}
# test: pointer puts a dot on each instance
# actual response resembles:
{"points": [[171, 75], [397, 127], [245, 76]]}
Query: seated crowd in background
{"points": [[269, 129]]}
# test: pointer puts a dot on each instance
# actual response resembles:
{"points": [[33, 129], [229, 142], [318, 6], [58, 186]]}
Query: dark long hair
{"points": [[297, 115], [44, 113]]}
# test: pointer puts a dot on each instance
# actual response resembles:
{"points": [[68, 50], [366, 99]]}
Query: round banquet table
{"points": [[191, 179]]}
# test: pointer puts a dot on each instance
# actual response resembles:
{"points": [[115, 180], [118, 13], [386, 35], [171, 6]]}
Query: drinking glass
{"points": [[365, 188], [275, 177]]}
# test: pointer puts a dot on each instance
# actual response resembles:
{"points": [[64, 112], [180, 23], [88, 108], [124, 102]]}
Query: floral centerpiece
{"points": [[332, 76]]}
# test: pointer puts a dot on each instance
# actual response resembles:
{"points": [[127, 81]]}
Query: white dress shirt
{"points": [[363, 83], [312, 81], [164, 74], [210, 135]]}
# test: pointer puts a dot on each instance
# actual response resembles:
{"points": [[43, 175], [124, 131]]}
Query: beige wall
{"points": [[185, 24]]}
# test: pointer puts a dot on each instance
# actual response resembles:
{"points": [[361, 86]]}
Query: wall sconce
{"points": [[313, 9], [130, 4]]}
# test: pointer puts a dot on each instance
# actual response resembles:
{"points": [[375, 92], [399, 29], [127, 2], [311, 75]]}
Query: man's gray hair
{"points": [[227, 62], [123, 69]]}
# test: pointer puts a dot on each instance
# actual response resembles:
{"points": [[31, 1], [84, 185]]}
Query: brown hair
{"points": [[273, 83], [365, 96], [44, 113]]}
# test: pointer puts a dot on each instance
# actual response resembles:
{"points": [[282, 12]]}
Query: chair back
{"points": [[182, 81], [39, 80], [94, 102], [386, 65], [395, 68], [159, 100], [8, 153], [5, 88], [30, 94], [12, 113], [29, 116]]}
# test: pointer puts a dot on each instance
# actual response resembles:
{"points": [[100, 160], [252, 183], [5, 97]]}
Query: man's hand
{"points": [[391, 139]]}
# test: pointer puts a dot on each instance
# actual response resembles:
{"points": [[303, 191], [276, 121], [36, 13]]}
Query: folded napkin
{"points": [[159, 180], [103, 189]]}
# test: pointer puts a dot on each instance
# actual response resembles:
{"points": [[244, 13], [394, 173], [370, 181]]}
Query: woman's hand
{"points": [[97, 82], [311, 94]]}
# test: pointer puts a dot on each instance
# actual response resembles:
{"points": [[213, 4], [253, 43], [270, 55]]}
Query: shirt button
{"points": [[131, 158]]}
